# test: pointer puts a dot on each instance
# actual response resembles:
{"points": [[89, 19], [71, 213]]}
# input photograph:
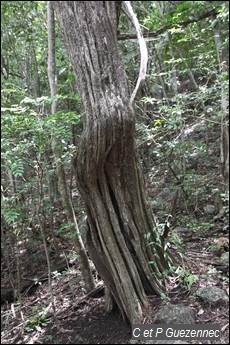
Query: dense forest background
{"points": [[182, 140]]}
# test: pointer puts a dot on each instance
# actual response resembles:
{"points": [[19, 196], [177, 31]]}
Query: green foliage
{"points": [[194, 225], [28, 128], [186, 278], [214, 248], [17, 168], [165, 297], [79, 339], [26, 135], [48, 337], [10, 214], [35, 322], [56, 274]]}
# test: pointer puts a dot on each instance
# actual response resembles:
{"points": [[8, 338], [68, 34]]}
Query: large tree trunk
{"points": [[60, 171], [107, 168]]}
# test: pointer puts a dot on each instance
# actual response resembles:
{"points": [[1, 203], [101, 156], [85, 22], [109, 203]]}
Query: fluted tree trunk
{"points": [[107, 169]]}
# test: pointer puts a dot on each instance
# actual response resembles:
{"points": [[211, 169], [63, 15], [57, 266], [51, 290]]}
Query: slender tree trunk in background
{"points": [[12, 181], [79, 246], [174, 71], [158, 67], [191, 75], [42, 228], [107, 169], [190, 72], [224, 143], [163, 6], [37, 83]]}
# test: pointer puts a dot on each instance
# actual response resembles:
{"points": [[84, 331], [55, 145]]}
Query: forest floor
{"points": [[81, 320]]}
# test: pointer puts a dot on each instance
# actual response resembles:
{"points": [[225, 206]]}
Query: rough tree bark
{"points": [[107, 168], [60, 170]]}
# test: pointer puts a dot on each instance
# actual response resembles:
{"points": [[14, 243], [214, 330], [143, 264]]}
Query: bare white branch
{"points": [[143, 50]]}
